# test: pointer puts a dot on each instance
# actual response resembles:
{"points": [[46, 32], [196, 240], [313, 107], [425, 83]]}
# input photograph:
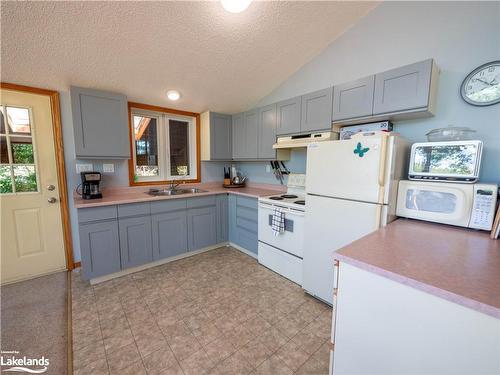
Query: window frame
{"points": [[146, 109]]}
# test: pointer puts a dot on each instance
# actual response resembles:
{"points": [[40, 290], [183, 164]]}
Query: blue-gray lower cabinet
{"points": [[169, 234], [136, 246], [202, 231], [222, 218], [243, 218], [100, 248]]}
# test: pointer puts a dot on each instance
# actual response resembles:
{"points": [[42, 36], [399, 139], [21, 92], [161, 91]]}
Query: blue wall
{"points": [[458, 35]]}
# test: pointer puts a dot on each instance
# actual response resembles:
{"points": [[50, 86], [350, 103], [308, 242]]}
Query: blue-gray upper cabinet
{"points": [[353, 99], [216, 136], [100, 122], [100, 248], [136, 246], [316, 110], [406, 88], [222, 218], [288, 116], [169, 234], [202, 230], [267, 132], [251, 120], [238, 134]]}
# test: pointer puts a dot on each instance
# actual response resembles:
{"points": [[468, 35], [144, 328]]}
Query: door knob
{"points": [[52, 200], [51, 188]]}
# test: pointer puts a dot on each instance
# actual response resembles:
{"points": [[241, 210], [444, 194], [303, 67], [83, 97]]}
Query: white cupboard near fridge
{"points": [[351, 191]]}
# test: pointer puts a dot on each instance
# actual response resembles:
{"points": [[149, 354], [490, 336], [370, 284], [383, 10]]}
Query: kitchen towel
{"points": [[278, 221]]}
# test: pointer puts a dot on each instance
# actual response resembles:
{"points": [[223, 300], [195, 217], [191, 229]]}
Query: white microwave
{"points": [[464, 205], [454, 161]]}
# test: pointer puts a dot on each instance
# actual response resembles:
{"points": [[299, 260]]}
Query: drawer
{"points": [[86, 215], [247, 213], [134, 209], [168, 205], [247, 202], [201, 201], [280, 262], [246, 239], [247, 224]]}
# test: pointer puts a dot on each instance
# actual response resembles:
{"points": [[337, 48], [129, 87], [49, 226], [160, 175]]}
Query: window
{"points": [[164, 146], [18, 167]]}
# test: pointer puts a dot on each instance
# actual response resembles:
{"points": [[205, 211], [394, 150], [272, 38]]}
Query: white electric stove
{"points": [[283, 253]]}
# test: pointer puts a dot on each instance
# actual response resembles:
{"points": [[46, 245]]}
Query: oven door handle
{"points": [[286, 210]]}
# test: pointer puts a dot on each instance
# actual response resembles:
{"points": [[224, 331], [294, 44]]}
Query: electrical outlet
{"points": [[268, 168], [84, 168], [108, 168]]}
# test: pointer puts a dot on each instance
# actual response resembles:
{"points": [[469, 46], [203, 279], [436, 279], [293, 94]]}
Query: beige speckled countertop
{"points": [[123, 195], [457, 264]]}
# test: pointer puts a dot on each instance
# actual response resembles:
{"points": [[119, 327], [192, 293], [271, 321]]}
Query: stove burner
{"points": [[276, 198], [301, 202], [289, 196]]}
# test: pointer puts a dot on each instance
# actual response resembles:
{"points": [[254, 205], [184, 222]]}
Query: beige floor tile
{"points": [[197, 364], [136, 368], [184, 346], [255, 352], [88, 354], [292, 355], [317, 364], [308, 341], [150, 343], [94, 367], [118, 340], [207, 334], [123, 357], [236, 364], [273, 339], [160, 360], [219, 349], [274, 366]]}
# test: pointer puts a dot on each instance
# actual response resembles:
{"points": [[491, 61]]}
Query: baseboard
{"points": [[25, 278], [128, 271], [243, 250]]}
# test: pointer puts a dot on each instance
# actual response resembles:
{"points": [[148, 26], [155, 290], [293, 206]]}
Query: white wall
{"points": [[459, 35]]}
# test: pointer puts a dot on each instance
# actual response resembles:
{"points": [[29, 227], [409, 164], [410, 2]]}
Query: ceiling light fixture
{"points": [[173, 95], [235, 6]]}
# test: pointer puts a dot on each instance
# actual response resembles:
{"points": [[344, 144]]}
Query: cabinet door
{"points": [[220, 136], [288, 116], [135, 241], [169, 234], [238, 136], [251, 140], [201, 227], [403, 88], [353, 99], [317, 111], [222, 218], [100, 248], [100, 122], [267, 132]]}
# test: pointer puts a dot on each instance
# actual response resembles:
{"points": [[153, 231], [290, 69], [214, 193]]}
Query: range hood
{"points": [[302, 140]]}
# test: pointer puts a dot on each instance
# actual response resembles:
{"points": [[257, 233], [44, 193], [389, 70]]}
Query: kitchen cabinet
{"points": [[222, 218], [99, 241], [135, 241], [316, 111], [353, 99], [288, 113], [170, 234], [201, 227], [246, 135], [215, 136], [407, 88], [267, 132], [100, 124], [243, 218]]}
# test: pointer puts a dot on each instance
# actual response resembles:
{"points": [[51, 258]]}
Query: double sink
{"points": [[156, 192]]}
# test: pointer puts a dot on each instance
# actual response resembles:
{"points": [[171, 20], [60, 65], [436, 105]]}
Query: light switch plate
{"points": [[84, 168], [108, 168], [268, 168]]}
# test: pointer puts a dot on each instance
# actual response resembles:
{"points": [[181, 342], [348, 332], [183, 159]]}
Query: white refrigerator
{"points": [[351, 191]]}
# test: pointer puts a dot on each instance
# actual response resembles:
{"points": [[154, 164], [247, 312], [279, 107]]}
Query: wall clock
{"points": [[482, 86]]}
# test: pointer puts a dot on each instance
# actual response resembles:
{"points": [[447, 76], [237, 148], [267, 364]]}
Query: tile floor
{"points": [[219, 312]]}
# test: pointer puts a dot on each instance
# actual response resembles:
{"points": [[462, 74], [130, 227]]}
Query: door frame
{"points": [[59, 151]]}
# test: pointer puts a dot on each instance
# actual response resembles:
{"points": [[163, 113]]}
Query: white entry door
{"points": [[31, 225]]}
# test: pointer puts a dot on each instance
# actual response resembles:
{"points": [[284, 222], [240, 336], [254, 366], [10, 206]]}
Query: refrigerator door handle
{"points": [[383, 161]]}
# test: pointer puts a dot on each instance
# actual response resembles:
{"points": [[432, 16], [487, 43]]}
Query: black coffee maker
{"points": [[90, 185]]}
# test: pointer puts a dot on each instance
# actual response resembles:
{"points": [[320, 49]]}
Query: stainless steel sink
{"points": [[156, 192]]}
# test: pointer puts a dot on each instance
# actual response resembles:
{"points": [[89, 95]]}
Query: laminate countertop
{"points": [[124, 195], [457, 264]]}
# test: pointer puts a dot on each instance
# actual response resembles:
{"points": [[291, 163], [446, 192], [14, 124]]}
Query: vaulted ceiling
{"points": [[217, 60]]}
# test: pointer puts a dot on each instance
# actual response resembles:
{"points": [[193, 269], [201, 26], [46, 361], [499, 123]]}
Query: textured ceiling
{"points": [[217, 60]]}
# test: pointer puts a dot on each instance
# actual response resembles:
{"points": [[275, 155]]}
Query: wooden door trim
{"points": [[59, 151]]}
